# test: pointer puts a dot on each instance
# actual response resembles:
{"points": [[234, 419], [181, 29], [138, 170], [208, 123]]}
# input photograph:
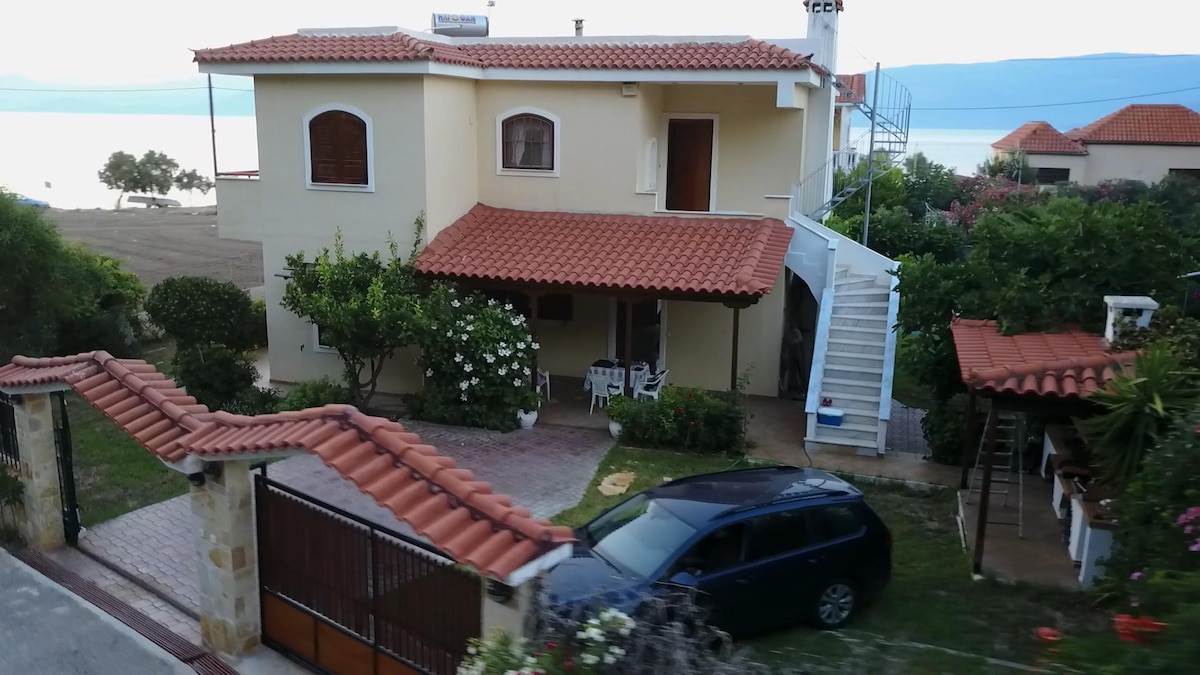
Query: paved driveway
{"points": [[48, 631], [545, 469]]}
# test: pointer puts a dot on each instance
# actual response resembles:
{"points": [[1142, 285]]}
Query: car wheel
{"points": [[835, 604]]}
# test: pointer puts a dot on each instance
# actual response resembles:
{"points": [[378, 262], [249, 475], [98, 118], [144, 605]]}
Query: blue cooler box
{"points": [[830, 416]]}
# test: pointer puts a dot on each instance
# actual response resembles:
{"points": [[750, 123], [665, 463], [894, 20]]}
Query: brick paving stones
{"points": [[545, 469], [904, 430]]}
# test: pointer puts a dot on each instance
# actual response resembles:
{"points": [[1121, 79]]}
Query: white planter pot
{"points": [[614, 428], [526, 419]]}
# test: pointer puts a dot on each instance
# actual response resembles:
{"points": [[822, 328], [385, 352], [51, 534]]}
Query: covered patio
{"points": [[675, 294]]}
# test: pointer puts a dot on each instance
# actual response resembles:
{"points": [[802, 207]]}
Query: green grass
{"points": [[932, 617], [113, 473], [651, 467]]}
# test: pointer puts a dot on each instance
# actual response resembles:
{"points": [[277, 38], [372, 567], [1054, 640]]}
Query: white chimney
{"points": [[1124, 310], [823, 26], [578, 27]]}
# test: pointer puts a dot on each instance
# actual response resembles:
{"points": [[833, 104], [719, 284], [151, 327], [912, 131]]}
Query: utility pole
{"points": [[212, 125], [871, 156]]}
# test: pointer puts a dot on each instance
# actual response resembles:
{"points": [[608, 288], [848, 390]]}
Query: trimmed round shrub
{"points": [[215, 374], [314, 394], [202, 311]]}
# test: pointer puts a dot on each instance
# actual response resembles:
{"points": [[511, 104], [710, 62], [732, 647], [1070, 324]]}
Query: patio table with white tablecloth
{"points": [[616, 374]]}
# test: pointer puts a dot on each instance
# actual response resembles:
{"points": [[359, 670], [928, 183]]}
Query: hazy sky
{"points": [[138, 41]]}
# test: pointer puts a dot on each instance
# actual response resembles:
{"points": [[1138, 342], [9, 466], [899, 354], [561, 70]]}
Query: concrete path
{"points": [[49, 631]]}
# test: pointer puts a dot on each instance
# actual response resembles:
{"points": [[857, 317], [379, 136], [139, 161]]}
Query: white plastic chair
{"points": [[652, 387], [602, 388], [543, 382]]}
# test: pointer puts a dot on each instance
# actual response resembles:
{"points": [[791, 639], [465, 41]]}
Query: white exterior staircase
{"points": [[855, 346]]}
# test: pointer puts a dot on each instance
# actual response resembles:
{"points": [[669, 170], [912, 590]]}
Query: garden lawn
{"points": [[113, 473], [932, 617]]}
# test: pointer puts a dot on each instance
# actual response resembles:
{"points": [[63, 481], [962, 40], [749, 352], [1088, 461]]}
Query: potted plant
{"points": [[528, 403], [619, 409]]}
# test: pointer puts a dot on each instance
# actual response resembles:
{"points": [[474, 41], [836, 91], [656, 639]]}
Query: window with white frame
{"points": [[527, 142], [318, 343], [338, 149]]}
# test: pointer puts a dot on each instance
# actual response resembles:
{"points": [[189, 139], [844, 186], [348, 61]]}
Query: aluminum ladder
{"points": [[1008, 466]]}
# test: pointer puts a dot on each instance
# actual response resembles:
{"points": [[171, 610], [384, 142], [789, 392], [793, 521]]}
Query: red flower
{"points": [[551, 646], [689, 394], [568, 665], [679, 411]]}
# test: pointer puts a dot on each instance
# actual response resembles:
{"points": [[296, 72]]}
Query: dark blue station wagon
{"points": [[765, 548]]}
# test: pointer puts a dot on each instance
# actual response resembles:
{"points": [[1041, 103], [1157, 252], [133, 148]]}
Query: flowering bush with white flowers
{"points": [[478, 359], [595, 648]]}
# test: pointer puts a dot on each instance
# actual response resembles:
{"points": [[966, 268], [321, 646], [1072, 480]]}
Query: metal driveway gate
{"points": [[9, 455], [65, 453], [348, 596]]}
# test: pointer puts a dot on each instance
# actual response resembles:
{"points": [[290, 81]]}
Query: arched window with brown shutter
{"points": [[338, 149]]}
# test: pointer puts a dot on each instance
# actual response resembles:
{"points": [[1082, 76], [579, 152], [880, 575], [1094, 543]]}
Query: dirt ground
{"points": [[160, 243]]}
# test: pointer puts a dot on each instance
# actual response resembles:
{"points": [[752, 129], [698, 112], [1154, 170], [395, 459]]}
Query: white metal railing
{"points": [[816, 373], [889, 348]]}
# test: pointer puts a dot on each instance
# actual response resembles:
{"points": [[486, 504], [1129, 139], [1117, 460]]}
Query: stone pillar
{"points": [[227, 563], [42, 526]]}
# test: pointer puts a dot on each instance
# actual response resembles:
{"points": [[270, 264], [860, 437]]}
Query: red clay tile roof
{"points": [[400, 47], [443, 503], [666, 254], [852, 88], [1070, 364], [1144, 124], [1040, 138]]}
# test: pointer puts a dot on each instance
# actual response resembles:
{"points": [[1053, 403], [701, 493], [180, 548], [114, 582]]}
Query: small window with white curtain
{"points": [[528, 143]]}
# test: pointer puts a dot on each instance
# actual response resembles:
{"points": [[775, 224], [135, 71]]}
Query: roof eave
{"points": [[807, 75]]}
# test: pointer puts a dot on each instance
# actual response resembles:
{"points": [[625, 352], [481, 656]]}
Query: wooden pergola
{"points": [[1029, 372]]}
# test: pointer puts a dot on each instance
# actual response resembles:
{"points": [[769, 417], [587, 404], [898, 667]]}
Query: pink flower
{"points": [[1135, 576]]}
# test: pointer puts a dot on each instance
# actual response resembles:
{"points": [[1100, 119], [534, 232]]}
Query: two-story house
{"points": [[1145, 142], [638, 197]]}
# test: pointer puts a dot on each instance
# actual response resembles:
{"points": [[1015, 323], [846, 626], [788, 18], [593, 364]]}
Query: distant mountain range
{"points": [[231, 96], [995, 96], [998, 91]]}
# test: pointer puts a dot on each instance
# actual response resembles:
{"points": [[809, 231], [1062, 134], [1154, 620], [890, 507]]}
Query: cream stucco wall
{"points": [[433, 149], [700, 343], [1148, 163], [569, 347], [451, 151], [758, 144], [1077, 164], [296, 218], [598, 145]]}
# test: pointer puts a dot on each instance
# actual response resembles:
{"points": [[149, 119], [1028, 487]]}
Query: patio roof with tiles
{"points": [[1067, 364], [442, 502], [695, 258]]}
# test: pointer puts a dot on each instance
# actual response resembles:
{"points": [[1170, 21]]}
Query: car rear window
{"points": [[827, 523]]}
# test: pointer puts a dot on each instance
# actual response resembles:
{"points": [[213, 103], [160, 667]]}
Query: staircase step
{"points": [[860, 373], [866, 347], [840, 359], [855, 283], [857, 333], [835, 387], [841, 434], [870, 295], [843, 399], [867, 309], [821, 438], [876, 323]]}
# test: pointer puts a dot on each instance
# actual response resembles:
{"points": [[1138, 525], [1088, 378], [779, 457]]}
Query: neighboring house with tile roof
{"points": [[637, 196], [1145, 142], [852, 93]]}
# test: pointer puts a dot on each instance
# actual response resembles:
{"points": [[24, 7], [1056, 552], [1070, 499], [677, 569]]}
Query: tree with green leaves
{"points": [[191, 181], [929, 186], [57, 297], [154, 173], [1013, 167], [888, 190], [367, 307]]}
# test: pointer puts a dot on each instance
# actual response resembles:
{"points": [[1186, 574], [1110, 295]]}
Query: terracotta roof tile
{"points": [[1144, 124], [1069, 364], [400, 47], [442, 502], [852, 88], [668, 254], [1040, 138]]}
